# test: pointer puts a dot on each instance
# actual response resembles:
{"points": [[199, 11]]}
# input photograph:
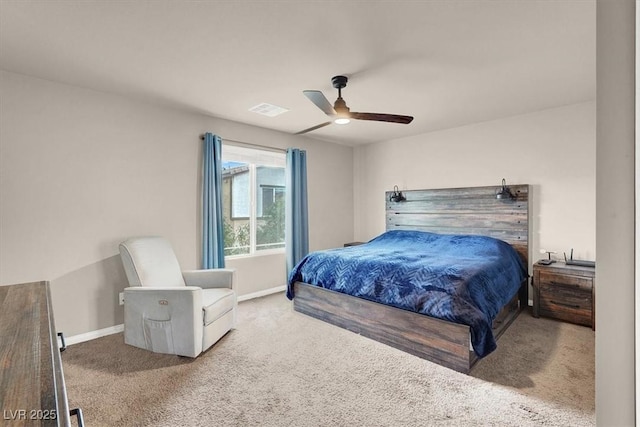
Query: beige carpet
{"points": [[281, 368]]}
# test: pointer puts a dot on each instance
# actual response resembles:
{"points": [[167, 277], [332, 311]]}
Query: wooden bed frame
{"points": [[472, 210]]}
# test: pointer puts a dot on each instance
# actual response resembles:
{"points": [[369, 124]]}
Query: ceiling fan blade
{"points": [[379, 117], [320, 101], [313, 128]]}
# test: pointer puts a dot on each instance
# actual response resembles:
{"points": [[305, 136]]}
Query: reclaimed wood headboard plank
{"points": [[467, 210]]}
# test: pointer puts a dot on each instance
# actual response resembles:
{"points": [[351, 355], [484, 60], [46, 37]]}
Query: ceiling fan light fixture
{"points": [[341, 121]]}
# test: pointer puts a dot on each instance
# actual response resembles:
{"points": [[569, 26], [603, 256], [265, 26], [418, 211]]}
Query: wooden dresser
{"points": [[565, 292], [32, 389]]}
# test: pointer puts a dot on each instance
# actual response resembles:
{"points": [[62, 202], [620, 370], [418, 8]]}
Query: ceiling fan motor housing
{"points": [[340, 106]]}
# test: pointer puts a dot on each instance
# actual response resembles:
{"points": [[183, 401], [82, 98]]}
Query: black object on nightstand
{"points": [[564, 292]]}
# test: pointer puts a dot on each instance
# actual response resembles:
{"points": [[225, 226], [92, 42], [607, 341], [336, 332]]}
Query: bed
{"points": [[403, 316]]}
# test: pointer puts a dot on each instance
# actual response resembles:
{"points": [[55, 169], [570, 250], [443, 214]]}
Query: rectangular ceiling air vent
{"points": [[268, 110]]}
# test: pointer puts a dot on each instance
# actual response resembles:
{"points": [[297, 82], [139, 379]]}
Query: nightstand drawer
{"points": [[574, 306], [566, 281]]}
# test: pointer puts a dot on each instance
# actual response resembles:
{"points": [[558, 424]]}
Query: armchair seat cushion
{"points": [[216, 302]]}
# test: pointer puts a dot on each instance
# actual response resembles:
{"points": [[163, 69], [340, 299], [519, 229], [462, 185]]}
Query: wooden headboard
{"points": [[470, 210]]}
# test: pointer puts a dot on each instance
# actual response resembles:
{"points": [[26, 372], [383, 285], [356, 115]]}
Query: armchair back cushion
{"points": [[150, 261]]}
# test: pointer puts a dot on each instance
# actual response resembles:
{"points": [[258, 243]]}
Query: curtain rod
{"points": [[248, 144]]}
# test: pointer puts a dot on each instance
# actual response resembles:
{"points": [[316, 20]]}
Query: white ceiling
{"points": [[447, 63]]}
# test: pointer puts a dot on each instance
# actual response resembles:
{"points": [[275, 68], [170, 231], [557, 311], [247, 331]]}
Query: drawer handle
{"points": [[564, 304], [64, 345], [77, 412]]}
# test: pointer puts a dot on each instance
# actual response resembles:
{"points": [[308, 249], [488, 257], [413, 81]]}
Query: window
{"points": [[271, 195], [253, 184]]}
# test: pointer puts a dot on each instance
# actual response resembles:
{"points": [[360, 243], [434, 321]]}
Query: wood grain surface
{"points": [[31, 380]]}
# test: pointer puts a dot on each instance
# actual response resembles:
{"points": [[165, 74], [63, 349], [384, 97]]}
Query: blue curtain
{"points": [[212, 221], [296, 217]]}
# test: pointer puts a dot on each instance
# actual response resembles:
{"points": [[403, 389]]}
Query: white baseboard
{"points": [[120, 328], [262, 293], [87, 336]]}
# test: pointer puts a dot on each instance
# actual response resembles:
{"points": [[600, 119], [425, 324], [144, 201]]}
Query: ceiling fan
{"points": [[340, 113]]}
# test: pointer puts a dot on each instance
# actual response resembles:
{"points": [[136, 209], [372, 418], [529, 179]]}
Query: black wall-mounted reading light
{"points": [[397, 195], [505, 193]]}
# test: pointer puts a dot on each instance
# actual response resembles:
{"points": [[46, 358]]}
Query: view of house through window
{"points": [[253, 192]]}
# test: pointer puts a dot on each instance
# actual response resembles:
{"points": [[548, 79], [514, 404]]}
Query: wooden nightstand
{"points": [[565, 292]]}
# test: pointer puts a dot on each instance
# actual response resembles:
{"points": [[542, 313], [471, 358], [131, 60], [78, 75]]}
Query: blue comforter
{"points": [[459, 278]]}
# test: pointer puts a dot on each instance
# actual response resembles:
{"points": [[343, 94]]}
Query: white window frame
{"points": [[269, 158]]}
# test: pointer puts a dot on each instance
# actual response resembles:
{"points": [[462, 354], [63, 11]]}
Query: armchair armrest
{"points": [[216, 278], [164, 319]]}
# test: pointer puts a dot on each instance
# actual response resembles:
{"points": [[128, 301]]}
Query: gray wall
{"points": [[82, 170], [615, 404]]}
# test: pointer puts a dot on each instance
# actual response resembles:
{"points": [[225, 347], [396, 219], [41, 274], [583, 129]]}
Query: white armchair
{"points": [[167, 310]]}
